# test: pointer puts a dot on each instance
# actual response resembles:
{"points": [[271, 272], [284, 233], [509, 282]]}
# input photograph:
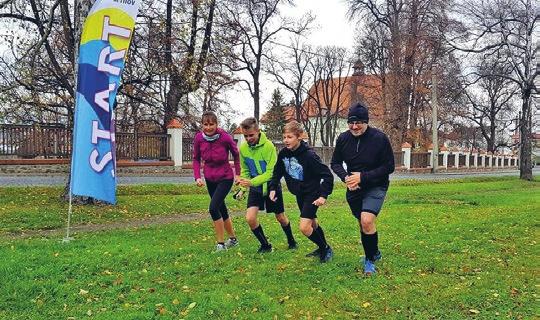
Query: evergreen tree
{"points": [[274, 120]]}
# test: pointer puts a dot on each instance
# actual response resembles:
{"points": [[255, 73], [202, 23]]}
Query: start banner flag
{"points": [[105, 40]]}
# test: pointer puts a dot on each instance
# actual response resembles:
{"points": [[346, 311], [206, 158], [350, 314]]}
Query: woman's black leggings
{"points": [[218, 191]]}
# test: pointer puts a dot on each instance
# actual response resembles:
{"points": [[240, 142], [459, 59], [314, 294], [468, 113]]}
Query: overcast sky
{"points": [[331, 27]]}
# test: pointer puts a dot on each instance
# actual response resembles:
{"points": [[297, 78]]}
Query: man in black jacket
{"points": [[370, 160], [309, 180]]}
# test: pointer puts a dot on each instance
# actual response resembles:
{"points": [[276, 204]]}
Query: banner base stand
{"points": [[67, 239]]}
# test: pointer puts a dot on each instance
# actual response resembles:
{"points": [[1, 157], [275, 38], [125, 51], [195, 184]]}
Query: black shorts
{"points": [[366, 200], [257, 199], [307, 209]]}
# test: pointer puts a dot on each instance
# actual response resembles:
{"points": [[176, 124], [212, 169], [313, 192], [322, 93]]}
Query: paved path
{"points": [[7, 180]]}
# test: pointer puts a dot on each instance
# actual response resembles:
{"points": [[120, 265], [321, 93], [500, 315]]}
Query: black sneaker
{"points": [[264, 249], [293, 245], [314, 253], [326, 254]]}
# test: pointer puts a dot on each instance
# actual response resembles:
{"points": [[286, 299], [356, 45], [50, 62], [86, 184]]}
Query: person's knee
{"points": [[225, 216], [251, 219], [214, 213], [213, 208], [306, 228], [282, 219], [367, 222]]}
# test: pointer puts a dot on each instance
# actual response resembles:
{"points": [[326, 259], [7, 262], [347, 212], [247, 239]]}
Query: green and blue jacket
{"points": [[257, 162]]}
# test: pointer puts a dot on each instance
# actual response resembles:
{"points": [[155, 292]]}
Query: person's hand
{"points": [[319, 202], [199, 182], [246, 183], [353, 180], [236, 179], [272, 195]]}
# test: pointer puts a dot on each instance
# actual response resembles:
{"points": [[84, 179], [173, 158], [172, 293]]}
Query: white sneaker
{"points": [[231, 243], [220, 247]]}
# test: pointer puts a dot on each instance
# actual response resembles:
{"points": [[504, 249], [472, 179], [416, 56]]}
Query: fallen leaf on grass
{"points": [[285, 298], [474, 311], [366, 305], [83, 292]]}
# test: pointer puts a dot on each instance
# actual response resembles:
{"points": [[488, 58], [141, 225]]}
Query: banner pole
{"points": [[67, 238]]}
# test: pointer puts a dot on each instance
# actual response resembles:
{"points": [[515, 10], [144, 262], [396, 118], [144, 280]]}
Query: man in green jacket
{"points": [[258, 157]]}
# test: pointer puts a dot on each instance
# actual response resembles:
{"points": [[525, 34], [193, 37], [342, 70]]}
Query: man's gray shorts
{"points": [[366, 200]]}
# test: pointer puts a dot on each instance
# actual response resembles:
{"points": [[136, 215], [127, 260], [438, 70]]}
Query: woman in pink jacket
{"points": [[212, 145]]}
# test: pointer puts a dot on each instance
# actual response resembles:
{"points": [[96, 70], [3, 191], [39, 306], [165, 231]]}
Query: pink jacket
{"points": [[215, 156]]}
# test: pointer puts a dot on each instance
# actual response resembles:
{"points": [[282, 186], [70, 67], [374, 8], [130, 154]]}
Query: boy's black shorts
{"points": [[257, 199], [307, 209]]}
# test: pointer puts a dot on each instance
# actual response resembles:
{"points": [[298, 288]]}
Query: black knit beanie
{"points": [[358, 112]]}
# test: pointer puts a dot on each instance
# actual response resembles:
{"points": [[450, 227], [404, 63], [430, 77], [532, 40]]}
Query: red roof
{"points": [[366, 88]]}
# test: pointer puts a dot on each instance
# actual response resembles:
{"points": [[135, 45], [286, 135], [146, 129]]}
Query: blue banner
{"points": [[105, 40]]}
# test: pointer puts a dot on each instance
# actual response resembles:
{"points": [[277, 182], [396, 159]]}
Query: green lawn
{"points": [[451, 250]]}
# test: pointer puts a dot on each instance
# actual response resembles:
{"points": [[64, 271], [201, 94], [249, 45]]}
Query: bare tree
{"points": [[325, 105], [291, 71], [489, 102], [171, 54], [40, 71], [252, 25], [187, 77], [399, 43], [511, 28]]}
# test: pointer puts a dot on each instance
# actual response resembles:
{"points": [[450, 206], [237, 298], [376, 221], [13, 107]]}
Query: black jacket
{"points": [[370, 154], [303, 171]]}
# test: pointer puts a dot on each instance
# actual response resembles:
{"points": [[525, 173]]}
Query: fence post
{"points": [[433, 161], [174, 128], [444, 151], [475, 161], [406, 148], [456, 158], [238, 136]]}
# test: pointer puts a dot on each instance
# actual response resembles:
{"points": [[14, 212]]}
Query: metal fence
{"points": [[420, 159], [148, 146], [398, 159], [187, 148], [462, 160], [50, 141]]}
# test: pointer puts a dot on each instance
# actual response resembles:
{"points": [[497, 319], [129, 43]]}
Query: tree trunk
{"points": [[256, 96], [525, 132], [81, 10]]}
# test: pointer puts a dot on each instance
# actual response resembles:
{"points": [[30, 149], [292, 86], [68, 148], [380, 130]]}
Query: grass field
{"points": [[451, 250]]}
